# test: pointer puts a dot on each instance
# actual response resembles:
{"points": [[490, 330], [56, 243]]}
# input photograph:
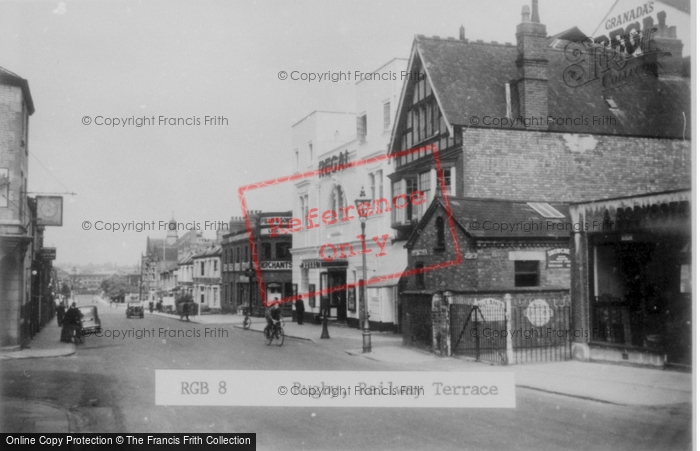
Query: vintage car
{"points": [[134, 309], [90, 321]]}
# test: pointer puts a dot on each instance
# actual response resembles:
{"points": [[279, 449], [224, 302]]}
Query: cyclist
{"points": [[273, 314]]}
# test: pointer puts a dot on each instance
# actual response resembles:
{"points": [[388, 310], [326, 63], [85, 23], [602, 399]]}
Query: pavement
{"points": [[614, 384]]}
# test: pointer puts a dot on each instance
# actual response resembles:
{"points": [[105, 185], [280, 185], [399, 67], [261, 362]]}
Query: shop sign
{"points": [[538, 312], [416, 252], [267, 220], [558, 258], [48, 253], [311, 264], [492, 309], [275, 265]]}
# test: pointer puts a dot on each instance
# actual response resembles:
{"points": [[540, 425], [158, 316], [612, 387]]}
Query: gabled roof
{"points": [[483, 219], [12, 79], [468, 79]]}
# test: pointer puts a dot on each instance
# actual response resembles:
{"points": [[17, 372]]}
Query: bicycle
{"points": [[77, 335], [246, 321], [276, 334]]}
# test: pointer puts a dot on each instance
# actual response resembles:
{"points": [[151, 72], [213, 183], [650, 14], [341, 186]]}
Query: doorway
{"points": [[338, 278]]}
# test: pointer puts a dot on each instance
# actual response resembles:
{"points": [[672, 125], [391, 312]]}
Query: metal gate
{"points": [[537, 340], [533, 338], [473, 336]]}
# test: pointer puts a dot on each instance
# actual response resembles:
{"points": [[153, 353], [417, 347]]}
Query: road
{"points": [[109, 385]]}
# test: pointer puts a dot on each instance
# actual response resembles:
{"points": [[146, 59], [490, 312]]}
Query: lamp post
{"points": [[363, 206]]}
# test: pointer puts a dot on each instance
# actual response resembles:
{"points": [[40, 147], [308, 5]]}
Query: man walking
{"points": [[299, 304]]}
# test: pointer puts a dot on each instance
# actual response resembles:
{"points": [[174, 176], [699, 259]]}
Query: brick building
{"points": [[538, 122], [206, 279], [241, 288]]}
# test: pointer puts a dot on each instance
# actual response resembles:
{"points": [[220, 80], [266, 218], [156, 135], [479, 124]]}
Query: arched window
{"points": [[440, 233], [337, 200]]}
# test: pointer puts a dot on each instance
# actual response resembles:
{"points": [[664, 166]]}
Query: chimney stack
{"points": [[532, 84], [461, 33]]}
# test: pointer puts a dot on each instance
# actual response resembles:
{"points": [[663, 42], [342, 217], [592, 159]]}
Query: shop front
{"points": [[631, 279]]}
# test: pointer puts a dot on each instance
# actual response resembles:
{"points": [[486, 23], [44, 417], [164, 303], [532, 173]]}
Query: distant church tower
{"points": [[171, 239]]}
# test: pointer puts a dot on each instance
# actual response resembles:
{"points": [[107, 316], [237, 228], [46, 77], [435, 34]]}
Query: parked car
{"points": [[134, 309], [91, 320]]}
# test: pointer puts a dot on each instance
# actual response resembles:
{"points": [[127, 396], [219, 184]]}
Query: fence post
{"points": [[509, 328]]}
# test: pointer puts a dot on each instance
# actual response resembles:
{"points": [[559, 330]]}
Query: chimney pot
{"points": [[461, 32], [525, 14]]}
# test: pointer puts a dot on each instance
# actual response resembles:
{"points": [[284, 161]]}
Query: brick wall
{"points": [[496, 270], [463, 276], [492, 267], [531, 165], [12, 153]]}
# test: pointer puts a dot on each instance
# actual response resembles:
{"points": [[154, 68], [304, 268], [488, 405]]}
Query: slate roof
{"points": [[468, 79], [486, 213], [12, 79]]}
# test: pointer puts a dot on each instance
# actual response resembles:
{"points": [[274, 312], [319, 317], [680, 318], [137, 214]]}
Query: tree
{"points": [[65, 290], [115, 288]]}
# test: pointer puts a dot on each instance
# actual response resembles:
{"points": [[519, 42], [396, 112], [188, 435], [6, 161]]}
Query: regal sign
{"points": [[333, 164], [492, 309]]}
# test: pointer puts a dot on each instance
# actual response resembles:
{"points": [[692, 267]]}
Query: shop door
{"points": [[338, 298]]}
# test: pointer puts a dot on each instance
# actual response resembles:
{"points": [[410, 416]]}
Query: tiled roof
{"points": [[487, 219], [469, 80]]}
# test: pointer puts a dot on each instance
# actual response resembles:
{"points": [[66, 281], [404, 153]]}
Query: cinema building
{"points": [[532, 123], [349, 152]]}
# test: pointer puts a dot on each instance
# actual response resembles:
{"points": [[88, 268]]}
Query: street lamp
{"points": [[364, 207]]}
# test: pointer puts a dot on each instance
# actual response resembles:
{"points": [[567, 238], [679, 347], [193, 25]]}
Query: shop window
{"points": [[527, 273], [440, 234]]}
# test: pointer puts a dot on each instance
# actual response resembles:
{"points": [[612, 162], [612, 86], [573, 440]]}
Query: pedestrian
{"points": [[71, 321], [186, 310], [60, 311], [150, 306], [300, 311]]}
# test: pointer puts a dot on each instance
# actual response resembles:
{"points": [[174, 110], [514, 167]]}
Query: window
{"points": [[424, 186], [238, 255], [201, 271], [282, 250], [337, 200], [380, 184], [267, 251], [527, 273], [245, 254], [362, 127], [372, 187], [440, 234], [447, 177], [420, 276], [304, 201], [387, 115], [216, 265]]}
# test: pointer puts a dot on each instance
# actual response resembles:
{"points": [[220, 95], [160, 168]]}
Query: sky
{"points": [[191, 59]]}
